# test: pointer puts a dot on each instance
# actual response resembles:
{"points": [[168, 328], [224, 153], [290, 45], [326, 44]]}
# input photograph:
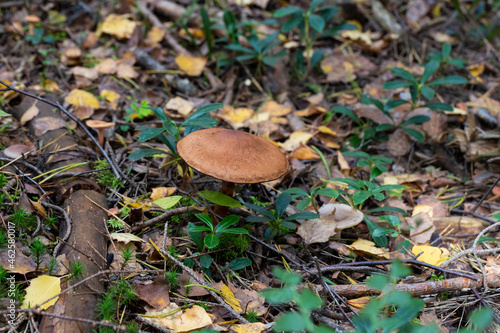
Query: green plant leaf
{"points": [[138, 154], [346, 111], [205, 122], [428, 92], [396, 84], [158, 112], [287, 11], [226, 223], [292, 322], [303, 204], [277, 296], [394, 103], [316, 22], [416, 134], [240, 263], [372, 226], [308, 301], [195, 235], [206, 261], [219, 198], [259, 210], [361, 196], [206, 219], [391, 219], [328, 192], [430, 68], [257, 219], [446, 50], [3, 113], [453, 79], [388, 209], [195, 228], [314, 4], [416, 120], [382, 232], [205, 110], [404, 74], [296, 192], [168, 202], [235, 231], [438, 106], [282, 203], [150, 133], [211, 241], [302, 216], [292, 24]]}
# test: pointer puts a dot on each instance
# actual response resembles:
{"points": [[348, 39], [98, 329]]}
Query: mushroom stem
{"points": [[100, 136], [227, 189]]}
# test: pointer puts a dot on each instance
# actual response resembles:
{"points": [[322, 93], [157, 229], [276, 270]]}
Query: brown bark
{"points": [[86, 243]]}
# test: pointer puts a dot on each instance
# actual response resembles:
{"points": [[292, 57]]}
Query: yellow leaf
{"points": [[431, 254], [79, 97], [423, 209], [41, 289], [236, 117], [368, 247], [119, 26], [295, 139], [305, 153], [190, 320], [111, 97], [359, 303], [275, 109], [358, 36], [162, 192], [192, 66], [125, 238], [327, 130], [156, 34], [249, 328], [476, 70], [228, 296]]}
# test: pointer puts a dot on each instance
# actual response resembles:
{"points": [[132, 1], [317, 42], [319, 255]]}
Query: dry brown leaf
{"points": [[189, 320], [399, 143], [154, 293], [423, 228], [126, 71], [107, 66], [22, 264], [119, 26], [305, 153], [44, 124], [29, 114], [88, 73], [185, 279], [333, 217], [249, 328], [16, 151], [192, 66], [179, 104]]}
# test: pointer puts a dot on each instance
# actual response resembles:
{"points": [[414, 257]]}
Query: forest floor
{"points": [[384, 216]]}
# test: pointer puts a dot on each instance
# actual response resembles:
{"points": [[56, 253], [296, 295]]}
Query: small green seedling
{"points": [[422, 86], [38, 249], [199, 119], [375, 164], [275, 218], [306, 301], [444, 57], [212, 239], [309, 196], [259, 51]]}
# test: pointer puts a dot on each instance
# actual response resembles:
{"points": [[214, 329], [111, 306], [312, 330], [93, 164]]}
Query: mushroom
{"points": [[100, 126], [32, 19], [233, 157]]}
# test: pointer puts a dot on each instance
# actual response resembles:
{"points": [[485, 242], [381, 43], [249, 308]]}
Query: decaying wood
{"points": [[86, 243], [420, 289]]}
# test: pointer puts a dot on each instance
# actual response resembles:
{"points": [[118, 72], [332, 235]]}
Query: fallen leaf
{"points": [[119, 26], [111, 97], [179, 104], [333, 217], [305, 153], [41, 289], [295, 139], [359, 303], [22, 264], [442, 37], [162, 192], [423, 228], [186, 279], [192, 66], [126, 71], [356, 35], [189, 320], [228, 296], [79, 97], [431, 254], [275, 109], [367, 247], [155, 35], [88, 73], [155, 293], [42, 125], [236, 117], [125, 238], [29, 114], [249, 328], [16, 151], [107, 66]]}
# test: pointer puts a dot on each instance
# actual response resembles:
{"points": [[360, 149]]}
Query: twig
{"points": [[476, 206], [68, 226], [475, 252], [76, 120], [166, 215], [469, 251]]}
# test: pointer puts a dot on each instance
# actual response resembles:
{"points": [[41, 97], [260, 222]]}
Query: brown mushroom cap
{"points": [[32, 19], [232, 156], [98, 124]]}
